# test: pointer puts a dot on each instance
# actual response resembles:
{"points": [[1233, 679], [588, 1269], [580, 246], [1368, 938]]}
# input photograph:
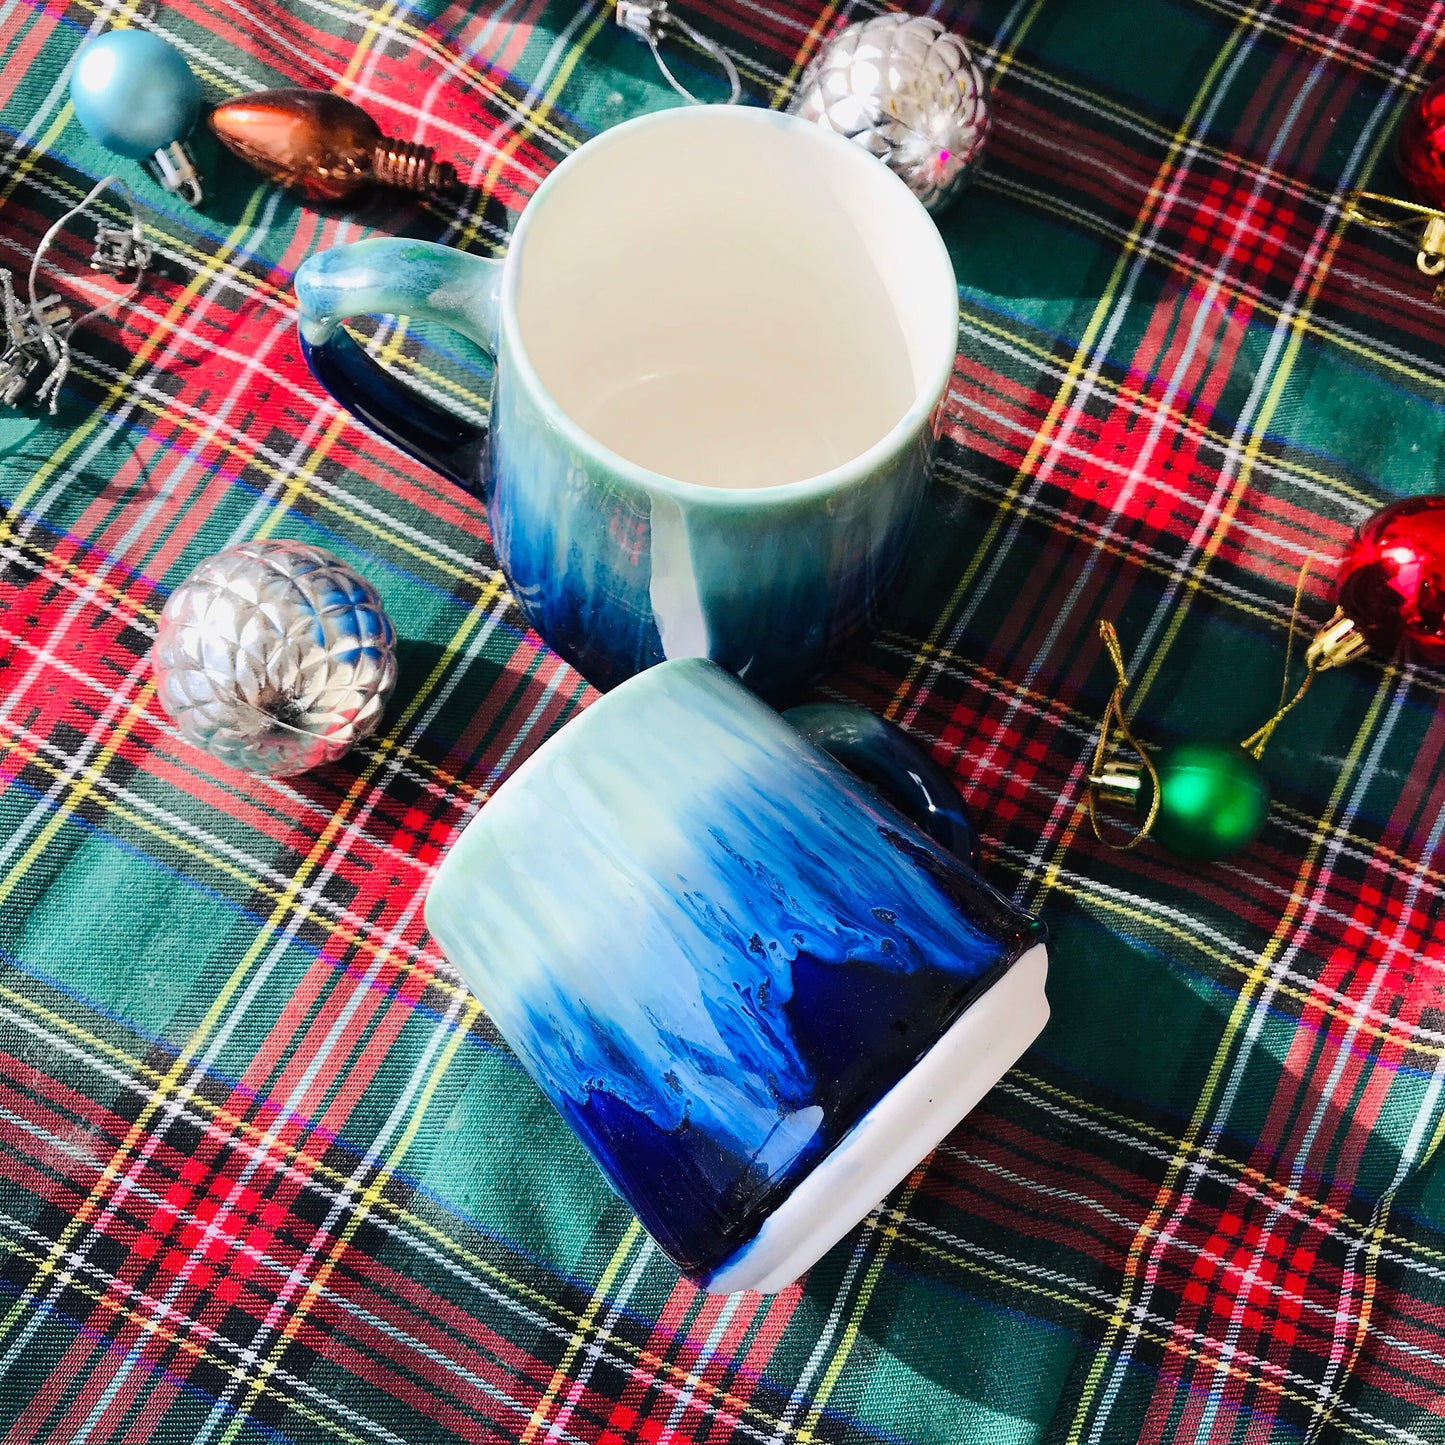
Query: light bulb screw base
{"points": [[412, 167]]}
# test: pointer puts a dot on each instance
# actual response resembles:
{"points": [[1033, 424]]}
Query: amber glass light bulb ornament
{"points": [[324, 147], [1420, 153]]}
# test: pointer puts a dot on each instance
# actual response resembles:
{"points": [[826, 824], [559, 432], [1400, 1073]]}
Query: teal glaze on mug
{"points": [[759, 993], [722, 337]]}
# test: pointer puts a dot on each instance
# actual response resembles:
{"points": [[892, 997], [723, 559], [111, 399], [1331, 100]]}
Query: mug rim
{"points": [[857, 468]]}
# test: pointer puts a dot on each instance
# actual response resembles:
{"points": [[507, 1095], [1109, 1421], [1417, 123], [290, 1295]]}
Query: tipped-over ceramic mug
{"points": [[756, 990], [721, 338]]}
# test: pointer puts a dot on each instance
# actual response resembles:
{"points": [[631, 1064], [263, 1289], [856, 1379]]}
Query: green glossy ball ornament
{"points": [[1213, 800]]}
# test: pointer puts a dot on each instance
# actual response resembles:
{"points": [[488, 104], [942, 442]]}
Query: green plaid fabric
{"points": [[268, 1174]]}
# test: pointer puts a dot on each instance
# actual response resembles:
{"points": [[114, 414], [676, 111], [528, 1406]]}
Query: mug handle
{"points": [[885, 758], [391, 276]]}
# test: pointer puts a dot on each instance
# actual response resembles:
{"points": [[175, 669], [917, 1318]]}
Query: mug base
{"points": [[898, 1132]]}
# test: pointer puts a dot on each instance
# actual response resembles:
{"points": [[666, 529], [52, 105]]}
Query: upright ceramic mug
{"points": [[758, 993], [721, 337]]}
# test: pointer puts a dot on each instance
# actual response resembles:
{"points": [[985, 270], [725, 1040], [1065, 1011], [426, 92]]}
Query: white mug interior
{"points": [[733, 298]]}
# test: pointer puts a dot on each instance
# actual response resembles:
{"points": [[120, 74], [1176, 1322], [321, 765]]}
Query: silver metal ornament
{"points": [[274, 657], [907, 90]]}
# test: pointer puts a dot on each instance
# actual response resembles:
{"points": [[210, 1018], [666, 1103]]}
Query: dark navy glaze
{"points": [[447, 444], [873, 749]]}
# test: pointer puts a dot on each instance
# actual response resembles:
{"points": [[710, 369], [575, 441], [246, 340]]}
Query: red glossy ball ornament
{"points": [[1420, 146], [1391, 592]]}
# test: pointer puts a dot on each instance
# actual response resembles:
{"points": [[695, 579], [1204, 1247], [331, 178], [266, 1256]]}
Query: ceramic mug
{"points": [[757, 992], [721, 337]]}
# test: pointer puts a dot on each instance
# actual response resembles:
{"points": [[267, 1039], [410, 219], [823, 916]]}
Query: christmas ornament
{"points": [[324, 147], [120, 249], [1206, 801], [1391, 589], [654, 22], [907, 90], [274, 657], [1420, 153], [1209, 800], [38, 333], [135, 95], [1213, 800], [1420, 146]]}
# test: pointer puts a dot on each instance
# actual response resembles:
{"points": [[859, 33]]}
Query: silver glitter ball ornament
{"points": [[907, 90], [274, 657]]}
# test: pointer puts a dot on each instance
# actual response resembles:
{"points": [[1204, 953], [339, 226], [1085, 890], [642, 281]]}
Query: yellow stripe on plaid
{"points": [[1147, 923], [298, 1313], [898, 1212], [895, 1214], [1080, 362], [308, 1166], [391, 352], [355, 936], [252, 454], [1201, 270], [1326, 1414], [1292, 466], [182, 305], [1335, 1218], [1243, 1007], [586, 1326], [1193, 1353], [294, 1160], [140, 1315], [803, 54], [1244, 1003]]}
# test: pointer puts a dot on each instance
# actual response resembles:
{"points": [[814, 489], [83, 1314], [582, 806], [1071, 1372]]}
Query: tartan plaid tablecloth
{"points": [[268, 1174]]}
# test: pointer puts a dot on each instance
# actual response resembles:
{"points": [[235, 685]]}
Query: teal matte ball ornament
{"points": [[135, 95], [1213, 800]]}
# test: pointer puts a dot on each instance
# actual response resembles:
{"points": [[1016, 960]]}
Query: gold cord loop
{"points": [[1258, 740], [1110, 779], [1430, 252]]}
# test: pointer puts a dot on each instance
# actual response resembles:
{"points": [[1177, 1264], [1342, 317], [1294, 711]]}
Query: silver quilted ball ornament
{"points": [[274, 657], [907, 90]]}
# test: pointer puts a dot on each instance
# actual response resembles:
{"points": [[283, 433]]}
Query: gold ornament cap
{"points": [[1335, 644], [1119, 781]]}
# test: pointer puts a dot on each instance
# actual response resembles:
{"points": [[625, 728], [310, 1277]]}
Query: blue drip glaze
{"points": [[713, 949], [617, 580], [619, 568]]}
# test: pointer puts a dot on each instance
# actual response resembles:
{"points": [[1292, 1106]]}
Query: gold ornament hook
{"points": [[1430, 252], [1113, 780]]}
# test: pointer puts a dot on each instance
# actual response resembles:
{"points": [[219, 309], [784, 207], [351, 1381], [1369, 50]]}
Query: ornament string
{"points": [[1258, 740], [1430, 253], [1115, 729], [651, 20], [127, 250]]}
